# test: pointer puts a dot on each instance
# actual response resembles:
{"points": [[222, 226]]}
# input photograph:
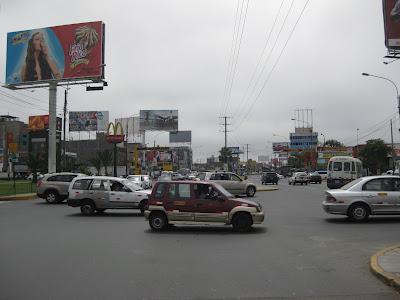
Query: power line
{"points": [[276, 63]]}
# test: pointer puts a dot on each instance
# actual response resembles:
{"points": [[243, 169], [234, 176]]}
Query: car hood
{"points": [[245, 201], [144, 192]]}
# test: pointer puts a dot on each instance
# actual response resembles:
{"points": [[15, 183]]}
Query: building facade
{"points": [[303, 138]]}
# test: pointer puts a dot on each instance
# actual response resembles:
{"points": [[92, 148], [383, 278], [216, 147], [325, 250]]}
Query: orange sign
{"points": [[13, 147], [38, 122]]}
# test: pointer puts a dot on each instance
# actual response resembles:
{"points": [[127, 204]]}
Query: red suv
{"points": [[195, 202]]}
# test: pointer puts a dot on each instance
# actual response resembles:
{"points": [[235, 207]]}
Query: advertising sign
{"points": [[163, 120], [130, 125], [180, 136], [42, 122], [235, 150], [391, 17], [277, 147], [88, 120], [65, 52]]}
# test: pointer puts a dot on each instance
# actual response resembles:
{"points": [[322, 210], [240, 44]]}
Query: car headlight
{"points": [[259, 208]]}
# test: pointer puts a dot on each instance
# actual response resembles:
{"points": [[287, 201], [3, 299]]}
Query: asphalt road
{"points": [[299, 252]]}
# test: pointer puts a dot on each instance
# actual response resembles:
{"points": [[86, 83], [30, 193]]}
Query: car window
{"points": [[159, 193], [172, 191], [215, 177], [53, 178], [82, 184], [330, 166], [353, 166], [234, 177], [116, 186], [184, 191], [337, 166], [100, 185], [380, 184], [225, 176], [396, 185], [346, 166]]}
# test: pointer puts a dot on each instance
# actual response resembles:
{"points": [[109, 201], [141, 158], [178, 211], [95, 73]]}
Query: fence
{"points": [[20, 187]]}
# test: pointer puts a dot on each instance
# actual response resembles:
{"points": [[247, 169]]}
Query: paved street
{"points": [[52, 252]]}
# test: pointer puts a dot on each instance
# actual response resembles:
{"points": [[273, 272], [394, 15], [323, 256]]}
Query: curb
{"points": [[388, 278], [18, 197]]}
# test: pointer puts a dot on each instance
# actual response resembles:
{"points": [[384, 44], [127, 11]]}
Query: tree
{"points": [[96, 162], [296, 161], [106, 158], [333, 143], [34, 162], [374, 155], [225, 155]]}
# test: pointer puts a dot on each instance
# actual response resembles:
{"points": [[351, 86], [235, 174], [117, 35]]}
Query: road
{"points": [[299, 252]]}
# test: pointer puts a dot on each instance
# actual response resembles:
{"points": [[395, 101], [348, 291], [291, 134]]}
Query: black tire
{"points": [[358, 212], [52, 197], [251, 191], [100, 210], [143, 206], [88, 209], [158, 221], [241, 222]]}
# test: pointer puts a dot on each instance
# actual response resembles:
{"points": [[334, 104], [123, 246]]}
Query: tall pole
{"points": [[247, 151], [357, 140], [64, 131], [391, 136], [115, 159], [226, 137], [52, 155], [126, 148]]}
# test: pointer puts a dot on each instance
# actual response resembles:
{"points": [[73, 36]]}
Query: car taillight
{"points": [[39, 183], [330, 198]]}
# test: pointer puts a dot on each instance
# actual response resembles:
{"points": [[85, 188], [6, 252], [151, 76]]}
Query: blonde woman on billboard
{"points": [[38, 63]]}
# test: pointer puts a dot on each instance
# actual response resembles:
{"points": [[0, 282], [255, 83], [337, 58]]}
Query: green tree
{"points": [[106, 158], [333, 143], [34, 162], [296, 161], [374, 155], [225, 156]]}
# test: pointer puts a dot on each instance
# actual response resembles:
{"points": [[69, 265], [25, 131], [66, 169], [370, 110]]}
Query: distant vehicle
{"points": [[30, 176], [298, 177], [98, 193], [231, 182], [342, 170], [269, 177], [372, 195], [199, 202], [280, 176], [168, 176], [314, 177], [323, 174], [54, 187], [142, 180]]}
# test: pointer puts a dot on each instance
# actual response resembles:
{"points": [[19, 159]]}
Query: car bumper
{"points": [[258, 217], [74, 202], [335, 208]]}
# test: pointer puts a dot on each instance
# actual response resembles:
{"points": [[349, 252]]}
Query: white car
{"points": [[142, 180], [98, 193], [299, 177], [39, 176]]}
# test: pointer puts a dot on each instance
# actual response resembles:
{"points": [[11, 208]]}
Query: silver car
{"points": [[372, 195], [98, 193], [142, 180], [298, 177]]}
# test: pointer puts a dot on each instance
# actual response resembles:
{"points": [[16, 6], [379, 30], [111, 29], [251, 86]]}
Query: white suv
{"points": [[299, 177]]}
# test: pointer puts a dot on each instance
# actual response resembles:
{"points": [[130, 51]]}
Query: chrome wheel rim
{"points": [[51, 197], [157, 222], [359, 213]]}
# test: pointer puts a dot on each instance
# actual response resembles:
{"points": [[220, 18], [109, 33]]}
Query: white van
{"points": [[343, 169]]}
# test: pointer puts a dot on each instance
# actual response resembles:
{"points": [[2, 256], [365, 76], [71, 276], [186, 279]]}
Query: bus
{"points": [[342, 170]]}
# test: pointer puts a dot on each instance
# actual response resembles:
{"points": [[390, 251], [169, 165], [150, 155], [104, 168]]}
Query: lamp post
{"points": [[324, 141]]}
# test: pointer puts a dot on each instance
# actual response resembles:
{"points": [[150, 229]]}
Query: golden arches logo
{"points": [[115, 127]]}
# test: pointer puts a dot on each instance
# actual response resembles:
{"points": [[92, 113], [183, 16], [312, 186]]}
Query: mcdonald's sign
{"points": [[115, 136]]}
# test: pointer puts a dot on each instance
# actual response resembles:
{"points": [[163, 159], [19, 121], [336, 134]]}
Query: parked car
{"points": [[269, 177], [280, 176], [314, 177], [372, 195], [98, 193], [323, 173], [298, 177], [231, 182], [141, 180], [194, 202], [54, 187], [38, 175]]}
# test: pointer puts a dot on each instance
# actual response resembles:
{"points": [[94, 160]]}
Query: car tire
{"points": [[251, 191], [88, 209], [241, 222], [51, 197], [143, 206], [358, 212], [158, 221]]}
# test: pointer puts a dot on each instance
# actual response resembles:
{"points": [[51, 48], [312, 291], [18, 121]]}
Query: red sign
{"points": [[115, 139], [391, 15]]}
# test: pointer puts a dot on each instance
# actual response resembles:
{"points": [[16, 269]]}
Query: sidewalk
{"points": [[386, 266], [18, 197]]}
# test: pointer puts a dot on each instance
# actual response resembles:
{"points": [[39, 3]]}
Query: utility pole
{"points": [[393, 152], [247, 151], [64, 131], [225, 124]]}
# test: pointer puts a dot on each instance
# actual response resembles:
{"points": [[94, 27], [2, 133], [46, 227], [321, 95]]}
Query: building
{"points": [[13, 144], [303, 138]]}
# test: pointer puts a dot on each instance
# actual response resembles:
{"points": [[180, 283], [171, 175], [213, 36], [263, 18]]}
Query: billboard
{"points": [[180, 136], [65, 52], [129, 125], [88, 120], [235, 150], [391, 16], [163, 120], [263, 158], [42, 122], [277, 147]]}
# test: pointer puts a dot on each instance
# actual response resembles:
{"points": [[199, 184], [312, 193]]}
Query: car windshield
{"points": [[351, 184], [134, 178], [133, 186], [224, 191]]}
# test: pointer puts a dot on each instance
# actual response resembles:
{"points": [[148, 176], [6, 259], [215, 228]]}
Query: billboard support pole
{"points": [[64, 132], [52, 167], [115, 160]]}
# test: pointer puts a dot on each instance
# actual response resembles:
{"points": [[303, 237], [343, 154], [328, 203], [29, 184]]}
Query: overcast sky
{"points": [[175, 55]]}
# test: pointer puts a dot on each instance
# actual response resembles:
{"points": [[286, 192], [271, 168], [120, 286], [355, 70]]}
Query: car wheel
{"points": [[358, 212], [158, 221], [242, 222], [88, 209], [143, 206], [250, 191], [51, 197], [100, 210]]}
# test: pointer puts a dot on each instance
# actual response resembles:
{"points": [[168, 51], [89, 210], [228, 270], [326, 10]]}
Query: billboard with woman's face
{"points": [[55, 53]]}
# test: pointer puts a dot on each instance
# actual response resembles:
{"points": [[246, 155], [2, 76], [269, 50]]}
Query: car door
{"points": [[121, 196], [237, 184], [100, 193], [207, 208], [179, 203], [378, 193], [395, 195]]}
